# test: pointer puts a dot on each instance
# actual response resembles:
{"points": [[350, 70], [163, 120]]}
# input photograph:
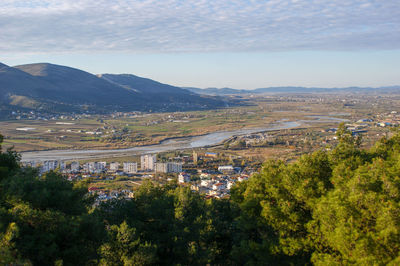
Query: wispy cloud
{"points": [[197, 26]]}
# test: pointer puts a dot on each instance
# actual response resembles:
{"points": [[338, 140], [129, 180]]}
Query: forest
{"points": [[335, 206]]}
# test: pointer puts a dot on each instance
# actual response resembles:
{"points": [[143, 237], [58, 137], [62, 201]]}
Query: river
{"points": [[167, 145]]}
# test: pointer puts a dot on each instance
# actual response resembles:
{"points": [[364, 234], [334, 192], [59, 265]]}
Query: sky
{"points": [[243, 44]]}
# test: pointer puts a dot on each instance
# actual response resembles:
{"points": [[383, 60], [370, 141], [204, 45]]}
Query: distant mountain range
{"points": [[291, 90], [56, 88]]}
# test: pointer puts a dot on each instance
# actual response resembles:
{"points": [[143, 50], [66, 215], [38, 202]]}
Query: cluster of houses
{"points": [[209, 180], [148, 164], [45, 116], [104, 195], [215, 185], [391, 119], [388, 119], [211, 184]]}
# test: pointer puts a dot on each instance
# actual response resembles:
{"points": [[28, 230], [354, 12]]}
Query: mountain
{"points": [[171, 96], [215, 91], [327, 90], [55, 88], [294, 90], [16, 82], [142, 85], [73, 86]]}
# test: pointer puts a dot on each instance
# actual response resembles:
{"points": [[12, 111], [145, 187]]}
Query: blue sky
{"points": [[237, 43]]}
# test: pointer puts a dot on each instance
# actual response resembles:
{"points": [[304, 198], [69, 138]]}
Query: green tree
{"points": [[126, 248], [338, 207], [44, 220]]}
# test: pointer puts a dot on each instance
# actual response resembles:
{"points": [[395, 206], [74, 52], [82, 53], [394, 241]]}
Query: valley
{"points": [[114, 134]]}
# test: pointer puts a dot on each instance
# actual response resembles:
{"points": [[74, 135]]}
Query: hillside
{"points": [[76, 86], [55, 88], [16, 82], [174, 97], [215, 91]]}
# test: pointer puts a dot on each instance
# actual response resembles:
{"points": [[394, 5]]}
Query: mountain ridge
{"points": [[65, 89], [292, 89]]}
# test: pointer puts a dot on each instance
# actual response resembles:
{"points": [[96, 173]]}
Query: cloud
{"points": [[150, 26]]}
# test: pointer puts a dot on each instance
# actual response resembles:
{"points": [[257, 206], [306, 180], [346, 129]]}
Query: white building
{"points": [[242, 178], [161, 167], [130, 167], [62, 166], [114, 166], [168, 167], [206, 183], [75, 167], [226, 168], [101, 166], [183, 178], [147, 162], [49, 166], [219, 186], [230, 185], [174, 167], [204, 176], [91, 167], [85, 167]]}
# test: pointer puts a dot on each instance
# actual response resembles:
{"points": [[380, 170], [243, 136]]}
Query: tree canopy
{"points": [[330, 207]]}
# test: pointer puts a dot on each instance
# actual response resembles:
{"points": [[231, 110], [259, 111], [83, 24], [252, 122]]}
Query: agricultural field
{"points": [[130, 130]]}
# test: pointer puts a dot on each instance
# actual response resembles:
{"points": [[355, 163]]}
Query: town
{"points": [[213, 172], [210, 181]]}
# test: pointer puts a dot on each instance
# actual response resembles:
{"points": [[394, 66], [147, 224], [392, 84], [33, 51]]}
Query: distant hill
{"points": [[64, 89], [158, 92], [15, 81], [77, 87], [215, 91], [291, 90]]}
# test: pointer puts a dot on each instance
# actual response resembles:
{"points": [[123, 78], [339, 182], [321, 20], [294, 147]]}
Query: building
{"points": [[195, 157], [85, 167], [183, 178], [62, 166], [147, 162], [195, 187], [30, 164], [226, 169], [174, 167], [161, 167], [114, 166], [49, 166], [168, 167], [206, 183], [75, 167], [130, 168], [242, 178], [211, 155], [219, 186], [91, 167], [101, 166]]}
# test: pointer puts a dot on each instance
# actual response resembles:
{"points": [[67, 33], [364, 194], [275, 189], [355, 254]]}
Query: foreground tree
{"points": [[45, 219], [327, 208], [337, 207], [168, 225]]}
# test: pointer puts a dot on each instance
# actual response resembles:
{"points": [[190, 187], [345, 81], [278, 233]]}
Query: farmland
{"points": [[123, 130]]}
